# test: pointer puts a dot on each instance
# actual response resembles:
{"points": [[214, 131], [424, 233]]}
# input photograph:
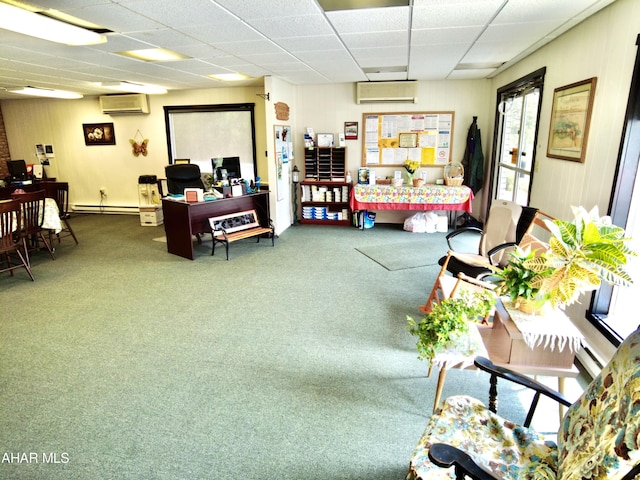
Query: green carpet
{"points": [[405, 255], [283, 363]]}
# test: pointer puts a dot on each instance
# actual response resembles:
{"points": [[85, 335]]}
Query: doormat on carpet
{"points": [[402, 256]]}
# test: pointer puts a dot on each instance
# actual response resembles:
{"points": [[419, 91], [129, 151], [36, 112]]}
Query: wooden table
{"points": [[525, 352], [183, 220]]}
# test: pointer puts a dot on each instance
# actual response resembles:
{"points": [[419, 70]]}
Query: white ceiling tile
{"points": [[292, 39], [370, 20], [456, 13], [445, 36], [288, 26], [369, 40]]}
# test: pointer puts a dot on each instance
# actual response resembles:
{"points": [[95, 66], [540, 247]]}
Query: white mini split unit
{"points": [[124, 104], [387, 92]]}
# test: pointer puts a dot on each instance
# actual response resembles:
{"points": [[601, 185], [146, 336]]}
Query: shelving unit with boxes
{"points": [[325, 191], [325, 202]]}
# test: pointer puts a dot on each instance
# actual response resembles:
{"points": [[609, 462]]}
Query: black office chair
{"points": [[184, 176]]}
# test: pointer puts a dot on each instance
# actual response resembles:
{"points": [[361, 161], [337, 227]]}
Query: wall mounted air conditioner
{"points": [[122, 104], [387, 92]]}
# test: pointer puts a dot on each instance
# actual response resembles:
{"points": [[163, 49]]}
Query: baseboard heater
{"points": [[120, 209]]}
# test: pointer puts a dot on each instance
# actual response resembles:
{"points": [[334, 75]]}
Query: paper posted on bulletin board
{"points": [[392, 138]]}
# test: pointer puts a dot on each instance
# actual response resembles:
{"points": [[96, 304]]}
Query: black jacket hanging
{"points": [[473, 160]]}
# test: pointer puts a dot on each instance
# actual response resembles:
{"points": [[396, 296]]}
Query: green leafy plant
{"points": [[448, 320], [516, 280], [582, 253]]}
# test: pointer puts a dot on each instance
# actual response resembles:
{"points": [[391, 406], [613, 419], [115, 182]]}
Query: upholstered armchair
{"points": [[599, 437]]}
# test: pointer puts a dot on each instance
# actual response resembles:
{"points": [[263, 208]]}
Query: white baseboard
{"points": [[120, 209]]}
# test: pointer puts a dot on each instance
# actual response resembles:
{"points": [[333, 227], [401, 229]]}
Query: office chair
{"points": [[10, 240], [183, 176]]}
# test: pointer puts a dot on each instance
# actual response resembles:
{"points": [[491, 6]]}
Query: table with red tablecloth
{"points": [[426, 197]]}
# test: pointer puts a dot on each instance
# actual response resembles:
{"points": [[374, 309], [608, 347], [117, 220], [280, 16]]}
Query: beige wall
{"points": [[89, 168], [603, 46]]}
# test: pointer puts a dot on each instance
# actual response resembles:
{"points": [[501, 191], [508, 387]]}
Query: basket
{"points": [[396, 182], [453, 182], [418, 182], [454, 174]]}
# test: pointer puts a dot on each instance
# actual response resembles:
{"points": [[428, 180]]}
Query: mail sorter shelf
{"points": [[325, 163], [325, 202]]}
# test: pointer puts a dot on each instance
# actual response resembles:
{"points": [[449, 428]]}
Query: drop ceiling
{"points": [[295, 40]]}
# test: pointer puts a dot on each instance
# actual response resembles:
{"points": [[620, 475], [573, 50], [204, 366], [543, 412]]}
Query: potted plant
{"points": [[448, 320], [520, 283], [582, 253]]}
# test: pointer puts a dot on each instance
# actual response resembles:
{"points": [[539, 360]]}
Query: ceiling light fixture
{"points": [[230, 77], [45, 92], [39, 26], [154, 55], [134, 87]]}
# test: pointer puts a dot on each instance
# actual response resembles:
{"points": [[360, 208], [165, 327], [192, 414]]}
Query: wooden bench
{"points": [[228, 228]]}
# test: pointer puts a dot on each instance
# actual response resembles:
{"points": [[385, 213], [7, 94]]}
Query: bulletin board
{"points": [[392, 138]]}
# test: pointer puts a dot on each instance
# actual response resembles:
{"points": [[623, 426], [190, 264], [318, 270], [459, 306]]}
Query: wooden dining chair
{"points": [[10, 239], [32, 209], [59, 191]]}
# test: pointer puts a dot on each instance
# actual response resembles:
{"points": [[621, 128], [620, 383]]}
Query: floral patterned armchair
{"points": [[599, 437]]}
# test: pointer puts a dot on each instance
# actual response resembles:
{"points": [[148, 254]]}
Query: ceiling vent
{"points": [[387, 92], [123, 104]]}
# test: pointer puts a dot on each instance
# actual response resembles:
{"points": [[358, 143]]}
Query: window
{"points": [[611, 306], [517, 118]]}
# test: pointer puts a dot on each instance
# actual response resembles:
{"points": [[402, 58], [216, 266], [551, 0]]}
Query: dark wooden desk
{"points": [[184, 220]]}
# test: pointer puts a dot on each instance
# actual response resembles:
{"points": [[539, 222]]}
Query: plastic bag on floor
{"points": [[421, 222]]}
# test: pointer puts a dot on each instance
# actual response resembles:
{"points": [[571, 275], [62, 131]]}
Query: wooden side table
{"points": [[524, 351]]}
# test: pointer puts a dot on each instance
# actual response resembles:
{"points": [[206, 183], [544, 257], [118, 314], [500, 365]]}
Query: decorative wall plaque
{"points": [[282, 111]]}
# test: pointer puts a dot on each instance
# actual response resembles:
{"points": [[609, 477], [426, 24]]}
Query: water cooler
{"points": [[149, 201]]}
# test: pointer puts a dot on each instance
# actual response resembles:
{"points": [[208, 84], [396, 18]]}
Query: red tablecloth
{"points": [[427, 197]]}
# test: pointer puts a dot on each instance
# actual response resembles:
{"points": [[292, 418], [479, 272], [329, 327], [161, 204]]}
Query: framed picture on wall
{"points": [[570, 118], [98, 134], [351, 130]]}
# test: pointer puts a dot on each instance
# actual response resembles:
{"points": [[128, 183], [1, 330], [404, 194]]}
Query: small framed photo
{"points": [[351, 130], [325, 140], [98, 134]]}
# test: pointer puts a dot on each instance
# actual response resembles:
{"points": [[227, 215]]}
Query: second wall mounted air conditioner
{"points": [[124, 104], [387, 92]]}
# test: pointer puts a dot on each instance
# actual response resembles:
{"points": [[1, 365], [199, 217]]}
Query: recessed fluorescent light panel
{"points": [[230, 77], [333, 5], [45, 92], [478, 66], [134, 87], [154, 55], [35, 25]]}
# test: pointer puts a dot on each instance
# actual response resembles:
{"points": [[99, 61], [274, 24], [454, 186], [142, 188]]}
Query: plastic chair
{"points": [[10, 226], [59, 191], [598, 437], [32, 208]]}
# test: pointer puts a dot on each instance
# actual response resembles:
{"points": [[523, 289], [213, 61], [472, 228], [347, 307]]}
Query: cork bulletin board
{"points": [[392, 138]]}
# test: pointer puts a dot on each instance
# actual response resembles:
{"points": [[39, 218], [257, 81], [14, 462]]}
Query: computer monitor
{"points": [[230, 164], [17, 169]]}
